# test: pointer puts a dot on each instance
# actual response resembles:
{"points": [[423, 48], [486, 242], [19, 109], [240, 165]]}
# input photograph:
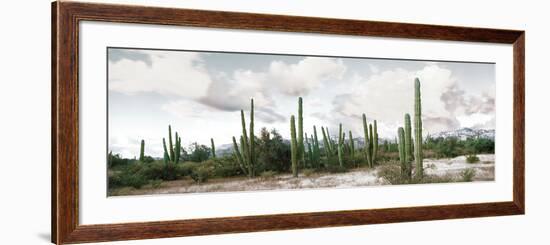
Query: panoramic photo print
{"points": [[202, 121]]}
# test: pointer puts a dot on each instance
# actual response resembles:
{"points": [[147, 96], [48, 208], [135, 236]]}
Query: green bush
{"points": [[226, 171], [308, 172], [201, 174], [131, 176], [392, 174], [160, 170], [186, 168], [472, 158], [268, 175]]}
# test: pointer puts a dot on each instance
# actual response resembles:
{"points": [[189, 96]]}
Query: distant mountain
{"points": [[465, 133]]}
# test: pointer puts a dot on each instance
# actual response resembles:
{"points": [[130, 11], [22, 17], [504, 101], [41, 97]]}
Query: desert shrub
{"points": [[201, 174], [268, 175], [148, 159], [480, 145], [392, 174], [448, 147], [131, 176], [308, 172], [333, 168], [115, 161], [226, 171], [160, 170], [472, 158], [468, 175], [186, 168]]}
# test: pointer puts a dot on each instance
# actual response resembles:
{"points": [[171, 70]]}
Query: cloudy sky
{"points": [[201, 94]]}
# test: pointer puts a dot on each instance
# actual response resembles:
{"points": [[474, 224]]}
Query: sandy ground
{"points": [[484, 170]]}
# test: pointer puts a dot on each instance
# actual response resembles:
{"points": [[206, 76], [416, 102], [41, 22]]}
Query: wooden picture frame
{"points": [[65, 121]]}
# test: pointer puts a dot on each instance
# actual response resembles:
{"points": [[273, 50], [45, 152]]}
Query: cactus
{"points": [[247, 150], [402, 149], [408, 138], [375, 142], [419, 173], [316, 150], [367, 142], [238, 155], [326, 144], [166, 155], [408, 146], [309, 151], [293, 147], [252, 155], [340, 146], [352, 148], [300, 140], [332, 145], [171, 154], [213, 148], [142, 151], [177, 149]]}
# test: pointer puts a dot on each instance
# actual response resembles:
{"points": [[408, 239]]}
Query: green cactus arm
{"points": [[244, 133], [326, 143], [408, 138], [352, 147], [293, 147], [238, 155], [166, 155], [366, 150], [171, 149], [316, 146], [213, 147], [332, 144], [252, 139], [340, 155], [401, 148]]}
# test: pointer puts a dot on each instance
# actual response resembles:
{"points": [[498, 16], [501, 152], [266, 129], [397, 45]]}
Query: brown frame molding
{"points": [[65, 121]]}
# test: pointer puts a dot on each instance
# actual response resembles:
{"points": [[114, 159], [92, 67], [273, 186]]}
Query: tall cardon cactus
{"points": [[246, 155], [293, 147], [142, 151], [213, 148], [402, 150], [340, 146], [172, 154], [316, 150], [352, 148], [300, 134], [408, 146], [419, 172], [367, 150]]}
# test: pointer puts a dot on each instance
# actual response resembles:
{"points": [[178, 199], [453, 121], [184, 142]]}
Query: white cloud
{"points": [[171, 73], [300, 78], [233, 92], [388, 95]]}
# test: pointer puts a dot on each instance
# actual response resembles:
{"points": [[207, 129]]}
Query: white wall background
{"points": [[25, 121]]}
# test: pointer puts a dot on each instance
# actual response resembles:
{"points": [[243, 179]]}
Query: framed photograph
{"points": [[177, 122]]}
